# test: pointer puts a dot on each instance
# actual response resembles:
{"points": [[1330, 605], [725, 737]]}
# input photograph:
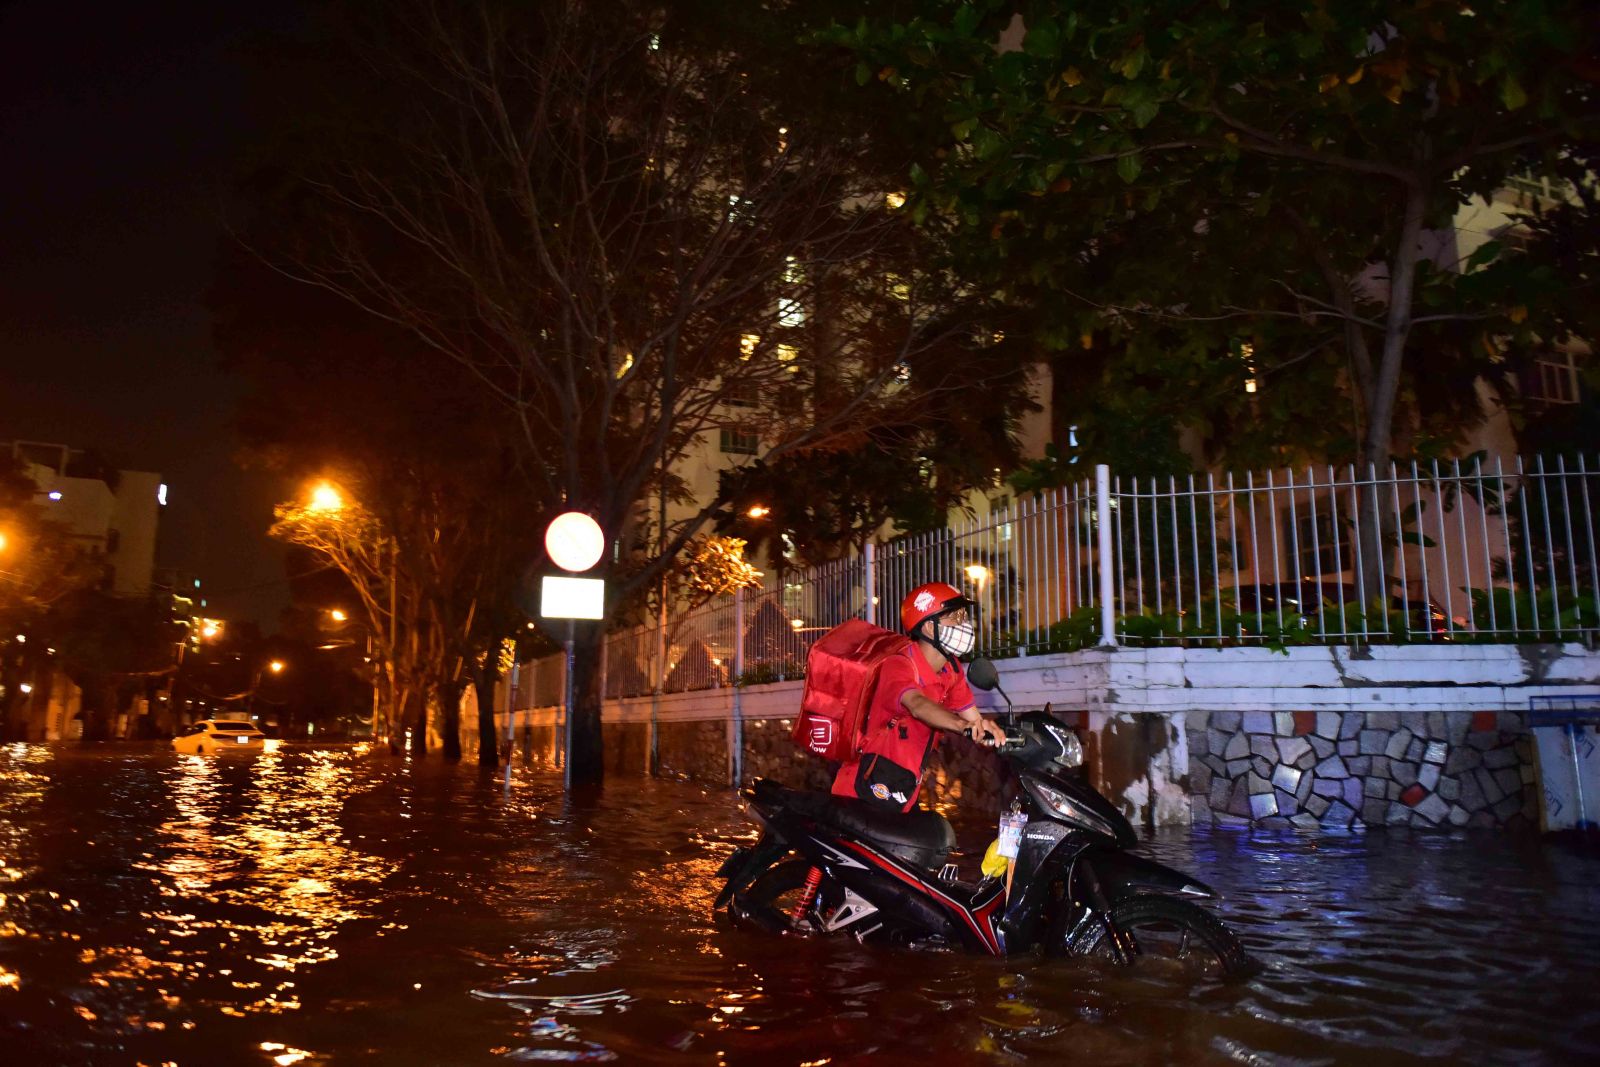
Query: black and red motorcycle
{"points": [[833, 866]]}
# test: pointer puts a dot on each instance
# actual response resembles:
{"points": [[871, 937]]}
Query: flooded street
{"points": [[312, 906]]}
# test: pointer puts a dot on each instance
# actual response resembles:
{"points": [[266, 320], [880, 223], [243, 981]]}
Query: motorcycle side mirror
{"points": [[982, 673]]}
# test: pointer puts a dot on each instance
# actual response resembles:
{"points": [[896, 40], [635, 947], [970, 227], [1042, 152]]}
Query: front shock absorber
{"points": [[808, 895]]}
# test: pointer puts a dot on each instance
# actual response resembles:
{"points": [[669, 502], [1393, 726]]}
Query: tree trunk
{"points": [[99, 705], [450, 718], [488, 737], [12, 728], [586, 743], [1378, 443], [417, 719]]}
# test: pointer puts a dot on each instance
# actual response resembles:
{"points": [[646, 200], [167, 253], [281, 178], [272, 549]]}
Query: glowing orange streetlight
{"points": [[759, 511], [210, 628], [276, 666], [337, 614], [325, 497]]}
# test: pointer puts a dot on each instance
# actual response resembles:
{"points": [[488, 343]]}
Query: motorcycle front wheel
{"points": [[1173, 935], [772, 898]]}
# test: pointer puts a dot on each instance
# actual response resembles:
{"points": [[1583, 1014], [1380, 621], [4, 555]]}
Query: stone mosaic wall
{"points": [[1378, 768], [697, 750]]}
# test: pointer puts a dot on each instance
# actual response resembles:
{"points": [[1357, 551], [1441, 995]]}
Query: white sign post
{"points": [[575, 543]]}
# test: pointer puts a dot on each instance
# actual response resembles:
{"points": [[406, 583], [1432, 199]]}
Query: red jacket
{"points": [[888, 770]]}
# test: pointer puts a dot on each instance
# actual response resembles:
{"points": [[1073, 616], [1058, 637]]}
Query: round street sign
{"points": [[574, 541]]}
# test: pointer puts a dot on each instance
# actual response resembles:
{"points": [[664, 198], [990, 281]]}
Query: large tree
{"points": [[428, 519], [600, 215], [1251, 199]]}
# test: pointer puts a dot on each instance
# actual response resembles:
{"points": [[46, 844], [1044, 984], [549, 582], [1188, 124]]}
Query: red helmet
{"points": [[928, 600]]}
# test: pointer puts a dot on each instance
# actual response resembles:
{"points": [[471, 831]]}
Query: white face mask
{"points": [[957, 640]]}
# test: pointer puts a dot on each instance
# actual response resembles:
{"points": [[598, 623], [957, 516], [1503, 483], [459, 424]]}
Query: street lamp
{"points": [[325, 497], [337, 614], [759, 511]]}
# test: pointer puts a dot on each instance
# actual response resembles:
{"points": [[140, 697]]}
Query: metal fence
{"points": [[1457, 551]]}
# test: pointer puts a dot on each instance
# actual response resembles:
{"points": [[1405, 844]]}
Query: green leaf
{"points": [[1128, 168], [1511, 93], [966, 20], [1144, 112], [963, 129], [1043, 39], [863, 74], [1133, 63]]}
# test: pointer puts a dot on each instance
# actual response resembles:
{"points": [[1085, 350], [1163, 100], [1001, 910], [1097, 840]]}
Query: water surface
{"points": [[314, 906]]}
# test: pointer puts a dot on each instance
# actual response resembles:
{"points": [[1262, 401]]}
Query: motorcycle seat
{"points": [[922, 839]]}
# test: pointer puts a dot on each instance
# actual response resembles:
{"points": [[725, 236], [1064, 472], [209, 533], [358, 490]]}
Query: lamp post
{"points": [[574, 542], [274, 666]]}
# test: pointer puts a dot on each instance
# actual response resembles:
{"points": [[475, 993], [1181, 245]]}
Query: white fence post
{"points": [[1102, 503], [737, 744], [869, 569]]}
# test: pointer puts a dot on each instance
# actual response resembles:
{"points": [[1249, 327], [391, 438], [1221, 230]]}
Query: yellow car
{"points": [[213, 736]]}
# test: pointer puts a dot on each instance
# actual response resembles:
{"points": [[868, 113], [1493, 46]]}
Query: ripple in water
{"points": [[315, 906]]}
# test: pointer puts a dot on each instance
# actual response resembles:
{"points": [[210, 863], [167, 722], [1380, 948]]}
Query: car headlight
{"points": [[1067, 808], [1071, 748]]}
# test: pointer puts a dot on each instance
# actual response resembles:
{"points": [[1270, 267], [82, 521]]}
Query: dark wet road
{"points": [[313, 907]]}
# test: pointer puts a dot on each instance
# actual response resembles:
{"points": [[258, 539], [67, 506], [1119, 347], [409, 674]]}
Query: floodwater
{"points": [[313, 906]]}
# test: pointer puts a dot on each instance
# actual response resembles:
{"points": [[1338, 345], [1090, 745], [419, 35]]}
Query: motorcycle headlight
{"points": [[1071, 747], [1067, 808]]}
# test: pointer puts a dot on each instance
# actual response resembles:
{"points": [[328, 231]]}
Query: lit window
{"points": [[794, 272], [897, 287], [738, 207], [627, 365], [791, 312], [788, 355], [747, 344], [1248, 352], [895, 200], [902, 372]]}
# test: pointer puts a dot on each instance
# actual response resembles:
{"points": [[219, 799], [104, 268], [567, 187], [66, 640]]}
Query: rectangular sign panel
{"points": [[572, 598]]}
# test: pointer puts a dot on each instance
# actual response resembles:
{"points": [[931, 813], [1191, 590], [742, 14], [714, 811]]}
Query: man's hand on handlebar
{"points": [[982, 730]]}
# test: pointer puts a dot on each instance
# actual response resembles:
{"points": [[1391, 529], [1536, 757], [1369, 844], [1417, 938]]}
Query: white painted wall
{"points": [[1441, 677]]}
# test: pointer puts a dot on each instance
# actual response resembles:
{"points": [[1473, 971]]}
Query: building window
{"points": [[791, 312], [1552, 379], [997, 504], [741, 395], [1321, 545], [1539, 187], [739, 442], [789, 356]]}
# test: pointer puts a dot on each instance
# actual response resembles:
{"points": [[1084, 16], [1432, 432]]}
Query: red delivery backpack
{"points": [[841, 672]]}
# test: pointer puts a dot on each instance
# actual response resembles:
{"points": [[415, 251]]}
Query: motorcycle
{"points": [[833, 866]]}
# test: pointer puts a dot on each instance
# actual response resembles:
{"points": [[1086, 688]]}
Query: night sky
{"points": [[122, 125]]}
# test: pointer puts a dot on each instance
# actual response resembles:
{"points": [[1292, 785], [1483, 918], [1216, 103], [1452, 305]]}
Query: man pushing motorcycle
{"points": [[916, 695]]}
